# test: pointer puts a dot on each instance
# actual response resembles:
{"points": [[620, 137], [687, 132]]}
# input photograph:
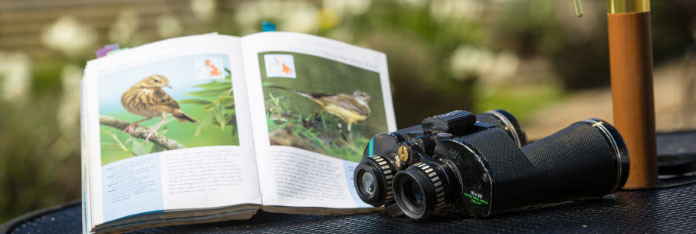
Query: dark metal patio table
{"points": [[671, 209]]}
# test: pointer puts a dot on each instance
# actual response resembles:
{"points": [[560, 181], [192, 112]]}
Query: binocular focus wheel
{"points": [[373, 180], [437, 183], [419, 191], [388, 177]]}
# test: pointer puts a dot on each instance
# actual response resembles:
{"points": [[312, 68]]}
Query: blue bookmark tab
{"points": [[268, 27], [371, 147]]}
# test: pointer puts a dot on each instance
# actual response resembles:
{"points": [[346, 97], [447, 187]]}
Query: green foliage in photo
{"points": [[314, 132], [220, 110]]}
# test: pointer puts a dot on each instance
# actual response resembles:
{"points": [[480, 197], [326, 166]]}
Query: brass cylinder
{"points": [[628, 6], [630, 54]]}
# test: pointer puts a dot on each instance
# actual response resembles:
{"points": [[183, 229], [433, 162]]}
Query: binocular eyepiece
{"points": [[480, 164]]}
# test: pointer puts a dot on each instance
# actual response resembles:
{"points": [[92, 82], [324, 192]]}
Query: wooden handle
{"points": [[630, 54]]}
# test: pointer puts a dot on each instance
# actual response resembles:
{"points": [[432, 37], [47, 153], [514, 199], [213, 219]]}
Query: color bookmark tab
{"points": [[108, 48], [268, 27]]}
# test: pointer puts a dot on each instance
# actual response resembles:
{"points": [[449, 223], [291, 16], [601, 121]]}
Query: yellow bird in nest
{"points": [[146, 98], [349, 108]]}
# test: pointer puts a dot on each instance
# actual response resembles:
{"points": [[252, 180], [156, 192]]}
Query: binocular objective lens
{"points": [[368, 183]]}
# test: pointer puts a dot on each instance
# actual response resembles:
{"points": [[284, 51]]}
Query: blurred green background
{"points": [[531, 57]]}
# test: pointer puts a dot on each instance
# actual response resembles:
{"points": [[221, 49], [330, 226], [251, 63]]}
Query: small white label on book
{"points": [[209, 68], [279, 65]]}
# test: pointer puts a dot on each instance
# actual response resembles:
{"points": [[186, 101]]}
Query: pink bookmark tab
{"points": [[108, 48]]}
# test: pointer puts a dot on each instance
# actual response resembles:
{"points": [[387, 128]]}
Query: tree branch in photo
{"points": [[141, 132]]}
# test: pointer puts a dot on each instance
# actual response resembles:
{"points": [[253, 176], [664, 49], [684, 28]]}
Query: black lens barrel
{"points": [[587, 159]]}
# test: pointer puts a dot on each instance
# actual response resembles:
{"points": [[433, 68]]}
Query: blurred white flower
{"points": [[69, 36], [69, 107], [168, 26], [470, 61], [303, 19], [292, 16], [445, 10], [350, 7], [203, 9], [247, 15], [125, 28], [15, 76], [506, 64]]}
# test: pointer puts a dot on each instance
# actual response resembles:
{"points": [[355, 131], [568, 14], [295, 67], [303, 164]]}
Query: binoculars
{"points": [[481, 164]]}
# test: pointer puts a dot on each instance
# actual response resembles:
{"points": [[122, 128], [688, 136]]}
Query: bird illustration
{"points": [[287, 70], [349, 108], [146, 98], [213, 69]]}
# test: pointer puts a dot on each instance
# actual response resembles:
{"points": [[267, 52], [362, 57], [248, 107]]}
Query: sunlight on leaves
{"points": [[138, 148]]}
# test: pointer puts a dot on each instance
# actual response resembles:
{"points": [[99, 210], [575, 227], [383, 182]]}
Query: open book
{"points": [[211, 127]]}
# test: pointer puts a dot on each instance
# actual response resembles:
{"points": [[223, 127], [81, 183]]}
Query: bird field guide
{"points": [[211, 127]]}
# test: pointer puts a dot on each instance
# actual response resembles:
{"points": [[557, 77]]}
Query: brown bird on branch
{"points": [[146, 98], [349, 108]]}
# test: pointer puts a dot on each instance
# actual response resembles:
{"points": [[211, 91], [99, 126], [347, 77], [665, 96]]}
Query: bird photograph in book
{"points": [[321, 105], [170, 104]]}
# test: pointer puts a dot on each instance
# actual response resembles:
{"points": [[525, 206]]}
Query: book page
{"points": [[315, 103], [84, 163], [187, 97]]}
